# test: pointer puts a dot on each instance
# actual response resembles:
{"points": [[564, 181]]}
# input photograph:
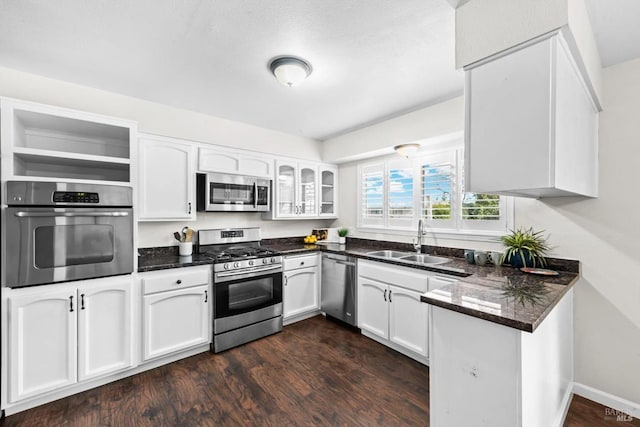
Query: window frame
{"points": [[456, 228]]}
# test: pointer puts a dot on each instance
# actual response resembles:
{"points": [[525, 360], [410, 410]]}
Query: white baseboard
{"points": [[608, 400], [566, 403]]}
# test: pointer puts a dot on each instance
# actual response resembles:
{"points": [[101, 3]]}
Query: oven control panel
{"points": [[75, 197]]}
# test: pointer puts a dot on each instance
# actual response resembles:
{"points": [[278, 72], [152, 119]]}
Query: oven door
{"points": [[237, 297], [48, 245]]}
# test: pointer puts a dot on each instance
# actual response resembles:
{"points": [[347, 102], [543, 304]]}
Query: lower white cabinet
{"points": [[389, 306], [176, 310], [61, 334], [301, 285]]}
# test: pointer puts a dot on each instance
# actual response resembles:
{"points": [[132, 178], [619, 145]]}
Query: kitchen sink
{"points": [[388, 254], [425, 259]]}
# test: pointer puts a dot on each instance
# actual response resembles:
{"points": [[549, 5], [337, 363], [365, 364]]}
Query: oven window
{"points": [[65, 245], [250, 293]]}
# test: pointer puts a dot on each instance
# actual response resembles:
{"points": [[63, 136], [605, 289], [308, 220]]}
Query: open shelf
{"points": [[33, 165], [54, 133]]}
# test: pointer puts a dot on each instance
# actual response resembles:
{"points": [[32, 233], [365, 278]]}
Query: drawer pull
{"points": [[179, 282]]}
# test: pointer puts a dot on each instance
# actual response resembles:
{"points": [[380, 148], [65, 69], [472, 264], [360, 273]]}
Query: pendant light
{"points": [[289, 70]]}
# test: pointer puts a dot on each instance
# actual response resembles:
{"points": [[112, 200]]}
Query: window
{"points": [[395, 193]]}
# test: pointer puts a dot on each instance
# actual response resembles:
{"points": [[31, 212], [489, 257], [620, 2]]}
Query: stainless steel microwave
{"points": [[219, 192]]}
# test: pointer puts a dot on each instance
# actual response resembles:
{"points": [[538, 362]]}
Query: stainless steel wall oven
{"points": [[56, 232]]}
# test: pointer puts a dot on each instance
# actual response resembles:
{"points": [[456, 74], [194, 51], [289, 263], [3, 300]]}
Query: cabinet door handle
{"points": [[385, 294], [189, 208], [206, 296], [179, 282], [390, 295], [286, 280], [81, 301], [71, 304]]}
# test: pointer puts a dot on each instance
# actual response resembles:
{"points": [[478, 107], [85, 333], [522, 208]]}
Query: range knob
{"points": [[236, 265], [265, 260], [251, 262], [273, 260], [226, 266]]}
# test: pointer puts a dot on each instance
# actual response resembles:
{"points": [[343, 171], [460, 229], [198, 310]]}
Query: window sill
{"points": [[467, 235]]}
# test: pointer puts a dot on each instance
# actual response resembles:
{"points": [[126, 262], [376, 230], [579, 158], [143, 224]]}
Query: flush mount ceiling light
{"points": [[289, 70], [406, 150]]}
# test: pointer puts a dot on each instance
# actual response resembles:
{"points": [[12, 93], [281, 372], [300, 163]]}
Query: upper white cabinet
{"points": [[235, 162], [167, 179], [47, 143], [328, 176], [531, 124], [304, 190], [296, 190]]}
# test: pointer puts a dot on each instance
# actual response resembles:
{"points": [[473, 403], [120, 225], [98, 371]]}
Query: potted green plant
{"points": [[525, 248], [342, 234]]}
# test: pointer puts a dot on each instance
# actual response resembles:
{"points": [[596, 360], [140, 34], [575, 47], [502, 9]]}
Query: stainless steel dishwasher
{"points": [[338, 290]]}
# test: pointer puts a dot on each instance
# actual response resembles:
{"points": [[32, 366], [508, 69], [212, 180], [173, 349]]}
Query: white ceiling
{"points": [[372, 59]]}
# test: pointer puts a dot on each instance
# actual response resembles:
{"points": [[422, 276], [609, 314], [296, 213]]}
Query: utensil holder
{"points": [[185, 248]]}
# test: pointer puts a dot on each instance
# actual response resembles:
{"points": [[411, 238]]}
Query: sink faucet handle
{"points": [[417, 245]]}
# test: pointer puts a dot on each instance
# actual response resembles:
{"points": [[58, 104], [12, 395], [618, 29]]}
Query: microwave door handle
{"points": [[255, 195], [22, 214]]}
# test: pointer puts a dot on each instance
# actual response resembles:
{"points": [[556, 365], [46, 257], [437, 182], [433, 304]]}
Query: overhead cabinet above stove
{"points": [[531, 123]]}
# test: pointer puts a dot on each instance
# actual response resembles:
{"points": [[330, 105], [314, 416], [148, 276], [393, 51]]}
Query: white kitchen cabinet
{"points": [[49, 143], [408, 320], [240, 162], [176, 310], [296, 191], [373, 310], [301, 290], [104, 328], [328, 188], [42, 341], [389, 306], [531, 124], [64, 333], [167, 179]]}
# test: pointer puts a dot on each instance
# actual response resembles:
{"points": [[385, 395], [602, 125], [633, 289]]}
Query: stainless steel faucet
{"points": [[417, 245]]}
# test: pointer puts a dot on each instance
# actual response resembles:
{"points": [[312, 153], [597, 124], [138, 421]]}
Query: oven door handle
{"points": [[230, 275], [22, 214]]}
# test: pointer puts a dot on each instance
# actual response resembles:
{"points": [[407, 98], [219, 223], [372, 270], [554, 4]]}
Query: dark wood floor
{"points": [[313, 373]]}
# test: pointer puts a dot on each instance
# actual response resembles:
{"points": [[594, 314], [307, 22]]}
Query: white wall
{"points": [[430, 122], [164, 120], [602, 233]]}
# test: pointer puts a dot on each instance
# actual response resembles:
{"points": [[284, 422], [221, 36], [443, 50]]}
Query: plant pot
{"points": [[342, 240], [517, 261]]}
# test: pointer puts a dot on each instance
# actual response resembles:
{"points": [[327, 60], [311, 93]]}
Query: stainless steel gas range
{"points": [[247, 283]]}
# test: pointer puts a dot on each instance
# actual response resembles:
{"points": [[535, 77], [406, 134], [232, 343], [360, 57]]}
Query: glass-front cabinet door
{"points": [[286, 197], [308, 192], [328, 191], [304, 190]]}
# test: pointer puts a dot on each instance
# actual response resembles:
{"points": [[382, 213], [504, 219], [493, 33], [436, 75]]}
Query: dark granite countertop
{"points": [[163, 258], [499, 294]]}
